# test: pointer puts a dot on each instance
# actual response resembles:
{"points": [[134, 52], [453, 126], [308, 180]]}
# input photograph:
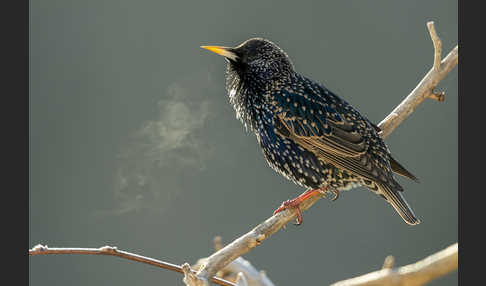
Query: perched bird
{"points": [[306, 132]]}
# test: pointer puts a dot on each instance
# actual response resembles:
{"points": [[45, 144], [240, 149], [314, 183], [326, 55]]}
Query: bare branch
{"points": [[437, 45], [250, 240], [414, 274], [256, 236], [230, 272], [425, 88], [113, 251], [422, 91]]}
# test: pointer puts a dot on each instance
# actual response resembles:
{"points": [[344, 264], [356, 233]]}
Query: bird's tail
{"points": [[393, 195]]}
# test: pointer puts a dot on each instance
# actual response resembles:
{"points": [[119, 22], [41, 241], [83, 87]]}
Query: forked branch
{"points": [[230, 272], [426, 86]]}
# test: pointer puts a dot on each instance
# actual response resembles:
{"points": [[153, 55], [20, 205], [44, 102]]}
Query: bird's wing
{"points": [[307, 117]]}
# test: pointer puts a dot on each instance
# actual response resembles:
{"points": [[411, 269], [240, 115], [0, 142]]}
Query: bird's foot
{"points": [[291, 204], [336, 194], [295, 203]]}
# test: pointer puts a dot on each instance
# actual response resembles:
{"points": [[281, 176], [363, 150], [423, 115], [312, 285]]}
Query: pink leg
{"points": [[294, 203]]}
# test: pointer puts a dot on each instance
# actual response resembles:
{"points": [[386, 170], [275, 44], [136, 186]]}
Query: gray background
{"points": [[133, 142]]}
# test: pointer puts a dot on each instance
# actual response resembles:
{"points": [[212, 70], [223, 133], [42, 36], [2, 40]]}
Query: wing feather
{"points": [[310, 120]]}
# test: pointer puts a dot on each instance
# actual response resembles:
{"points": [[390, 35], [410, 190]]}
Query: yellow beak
{"points": [[223, 51]]}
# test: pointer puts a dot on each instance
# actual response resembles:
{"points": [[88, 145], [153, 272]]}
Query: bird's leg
{"points": [[336, 194], [294, 203]]}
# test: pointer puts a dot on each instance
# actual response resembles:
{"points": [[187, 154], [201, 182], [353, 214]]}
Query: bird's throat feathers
{"points": [[246, 92]]}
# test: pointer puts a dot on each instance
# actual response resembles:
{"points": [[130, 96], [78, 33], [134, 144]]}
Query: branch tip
{"points": [[218, 242], [437, 45], [389, 262], [39, 247]]}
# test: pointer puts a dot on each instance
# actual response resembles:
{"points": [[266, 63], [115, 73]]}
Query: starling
{"points": [[306, 132]]}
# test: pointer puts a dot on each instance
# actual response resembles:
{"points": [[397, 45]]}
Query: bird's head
{"points": [[254, 67], [255, 60]]}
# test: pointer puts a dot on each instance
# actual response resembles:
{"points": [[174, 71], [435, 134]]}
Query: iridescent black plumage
{"points": [[307, 133]]}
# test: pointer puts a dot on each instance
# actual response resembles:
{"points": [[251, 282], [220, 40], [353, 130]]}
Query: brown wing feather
{"points": [[341, 141], [343, 148]]}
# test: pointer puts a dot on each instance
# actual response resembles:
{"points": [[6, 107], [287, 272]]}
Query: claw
{"points": [[299, 220], [282, 207], [294, 203], [336, 195], [291, 204]]}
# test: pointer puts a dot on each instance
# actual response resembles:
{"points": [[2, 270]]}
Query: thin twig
{"points": [[218, 243], [437, 45], [389, 262], [414, 274], [253, 238], [425, 88], [113, 251], [422, 91]]}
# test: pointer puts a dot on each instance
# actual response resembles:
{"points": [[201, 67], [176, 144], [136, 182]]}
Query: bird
{"points": [[307, 133]]}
